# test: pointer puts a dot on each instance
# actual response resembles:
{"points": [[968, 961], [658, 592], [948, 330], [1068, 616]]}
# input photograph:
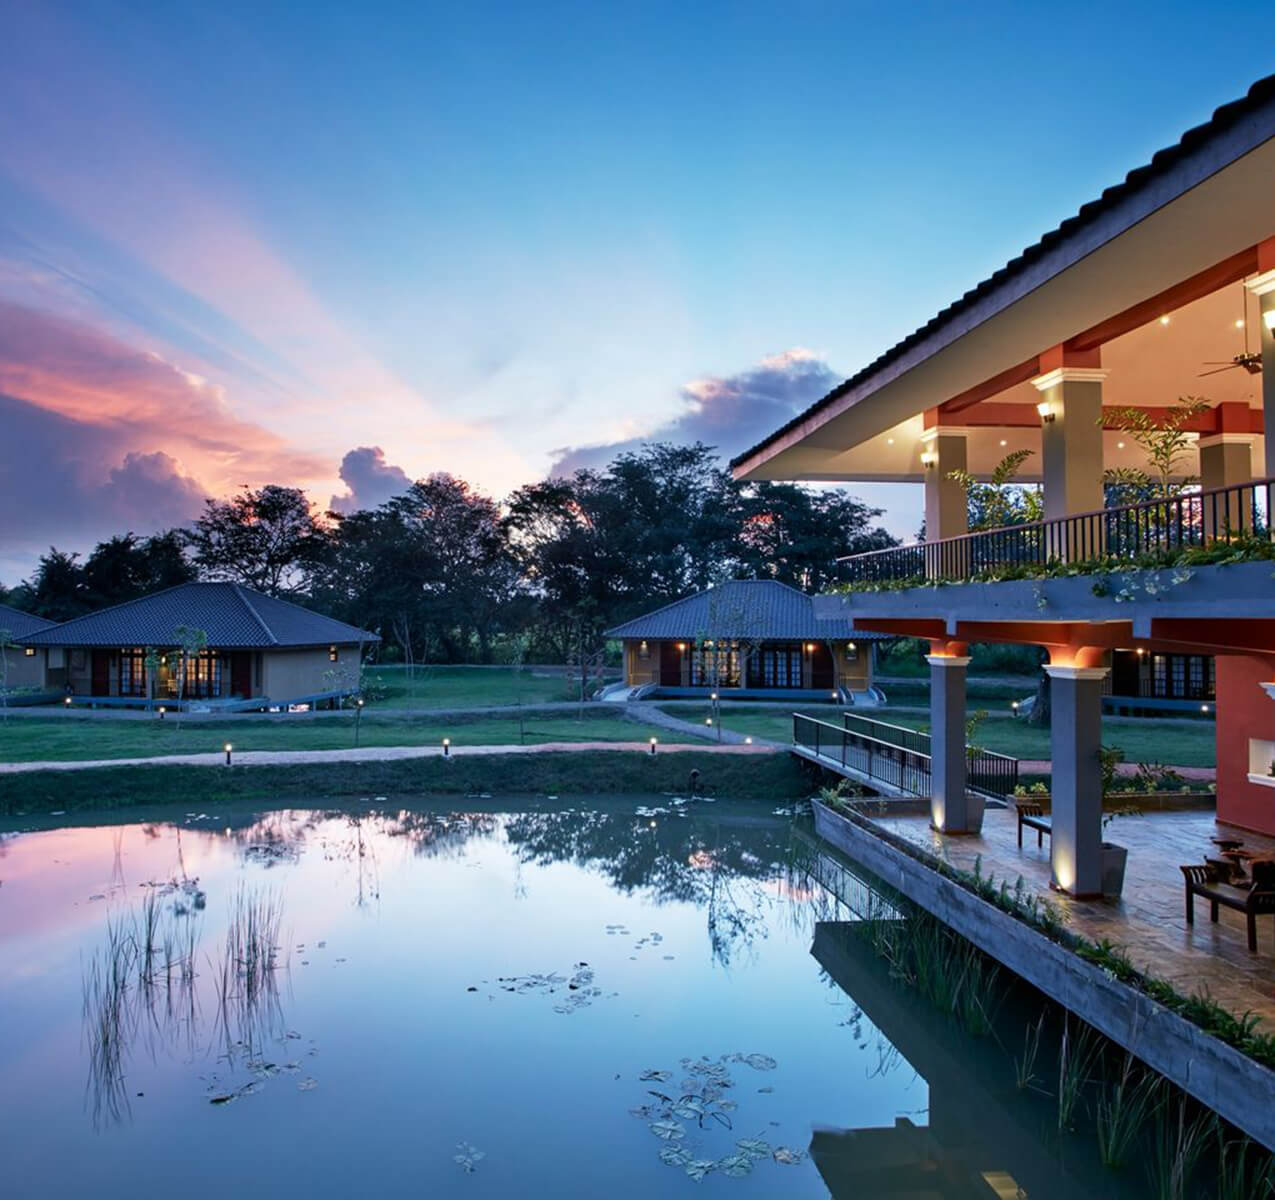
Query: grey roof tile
{"points": [[234, 617], [18, 624], [752, 609]]}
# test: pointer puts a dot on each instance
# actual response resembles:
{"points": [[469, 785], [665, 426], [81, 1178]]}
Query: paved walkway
{"points": [[255, 758], [1150, 920]]}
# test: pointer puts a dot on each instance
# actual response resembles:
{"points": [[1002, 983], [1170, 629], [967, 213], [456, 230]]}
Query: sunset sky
{"points": [[342, 246]]}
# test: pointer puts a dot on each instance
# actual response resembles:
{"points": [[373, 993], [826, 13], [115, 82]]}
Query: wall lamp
{"points": [[929, 459], [1268, 319], [1046, 411]]}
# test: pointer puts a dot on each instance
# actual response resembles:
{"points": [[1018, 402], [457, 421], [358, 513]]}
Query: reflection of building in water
{"points": [[986, 1139]]}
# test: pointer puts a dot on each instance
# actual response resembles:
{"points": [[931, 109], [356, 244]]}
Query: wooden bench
{"points": [[1208, 883], [1033, 816]]}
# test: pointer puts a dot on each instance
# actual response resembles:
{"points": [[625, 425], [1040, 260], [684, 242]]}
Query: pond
{"points": [[630, 997]]}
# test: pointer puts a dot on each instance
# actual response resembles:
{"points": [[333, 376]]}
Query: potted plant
{"points": [[1114, 857]]}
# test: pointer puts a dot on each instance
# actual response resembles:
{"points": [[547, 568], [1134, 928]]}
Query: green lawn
{"points": [[1175, 743], [35, 739], [464, 687]]}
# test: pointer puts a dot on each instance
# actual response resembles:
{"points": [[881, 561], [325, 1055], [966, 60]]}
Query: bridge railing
{"points": [[899, 767]]}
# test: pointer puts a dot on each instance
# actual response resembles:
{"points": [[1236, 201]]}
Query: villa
{"points": [[1162, 288], [242, 649], [748, 638], [23, 665]]}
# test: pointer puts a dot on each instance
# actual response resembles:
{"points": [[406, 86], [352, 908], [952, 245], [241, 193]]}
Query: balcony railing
{"points": [[1127, 533], [900, 757]]}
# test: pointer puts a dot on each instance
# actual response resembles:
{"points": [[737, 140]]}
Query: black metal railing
{"points": [[986, 772], [1128, 532], [897, 766]]}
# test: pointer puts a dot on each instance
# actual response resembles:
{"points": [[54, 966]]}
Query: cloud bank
{"points": [[731, 412], [370, 480]]}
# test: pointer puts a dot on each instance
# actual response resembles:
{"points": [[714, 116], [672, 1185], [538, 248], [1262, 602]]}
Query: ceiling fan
{"points": [[1249, 360]]}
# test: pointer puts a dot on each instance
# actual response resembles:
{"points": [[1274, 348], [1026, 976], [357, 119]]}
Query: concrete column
{"points": [[950, 808], [1071, 449], [1226, 459], [1263, 287], [946, 508], [1076, 783]]}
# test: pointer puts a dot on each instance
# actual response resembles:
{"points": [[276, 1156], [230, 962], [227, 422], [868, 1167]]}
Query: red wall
{"points": [[1243, 711]]}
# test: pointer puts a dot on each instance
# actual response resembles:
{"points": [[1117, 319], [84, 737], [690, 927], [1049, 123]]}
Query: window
{"points": [[781, 666], [133, 672], [715, 665], [203, 676]]}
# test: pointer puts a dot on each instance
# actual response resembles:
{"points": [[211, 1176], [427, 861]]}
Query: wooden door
{"points": [[101, 678], [821, 673], [670, 664], [241, 674]]}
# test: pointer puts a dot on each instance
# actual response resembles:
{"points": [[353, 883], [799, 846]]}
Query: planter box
{"points": [[1217, 1075]]}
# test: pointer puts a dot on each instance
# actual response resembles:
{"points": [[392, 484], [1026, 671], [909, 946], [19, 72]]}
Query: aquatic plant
{"points": [[1078, 1054], [1025, 1067], [1123, 1109], [1176, 1151], [1245, 1170]]}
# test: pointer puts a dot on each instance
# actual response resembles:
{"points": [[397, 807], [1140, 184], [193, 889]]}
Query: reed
{"points": [[1178, 1144], [1123, 1109], [1078, 1053]]}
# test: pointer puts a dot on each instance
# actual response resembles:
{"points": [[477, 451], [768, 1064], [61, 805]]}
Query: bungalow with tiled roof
{"points": [[23, 668], [256, 652], [747, 638]]}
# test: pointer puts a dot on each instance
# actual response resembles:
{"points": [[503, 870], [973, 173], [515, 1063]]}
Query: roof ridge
{"points": [[239, 591]]}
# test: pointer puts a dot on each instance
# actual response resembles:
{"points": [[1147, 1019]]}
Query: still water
{"points": [[627, 998]]}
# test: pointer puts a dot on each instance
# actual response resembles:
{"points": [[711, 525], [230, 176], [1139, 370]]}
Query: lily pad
{"points": [[759, 1062], [653, 1076], [736, 1166], [669, 1130], [788, 1156], [754, 1147], [675, 1156], [689, 1109], [699, 1168]]}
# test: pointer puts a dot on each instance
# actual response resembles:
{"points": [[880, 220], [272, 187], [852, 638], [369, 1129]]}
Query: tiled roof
{"points": [[18, 624], [233, 617], [752, 609], [1162, 162]]}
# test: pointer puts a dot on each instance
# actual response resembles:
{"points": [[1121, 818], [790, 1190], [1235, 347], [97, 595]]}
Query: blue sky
{"points": [[238, 242]]}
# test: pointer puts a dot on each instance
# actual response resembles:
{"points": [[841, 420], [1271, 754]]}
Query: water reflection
{"points": [[541, 986]]}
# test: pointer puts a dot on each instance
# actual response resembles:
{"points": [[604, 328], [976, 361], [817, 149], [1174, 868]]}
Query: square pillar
{"points": [[1263, 287], [1226, 460], [952, 810], [946, 506], [1076, 784], [1071, 455]]}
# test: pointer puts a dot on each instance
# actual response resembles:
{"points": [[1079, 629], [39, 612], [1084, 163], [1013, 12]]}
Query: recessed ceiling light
{"points": [[1120, 445], [1239, 322], [1004, 442], [889, 441], [1164, 320]]}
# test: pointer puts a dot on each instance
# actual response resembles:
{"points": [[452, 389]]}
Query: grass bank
{"points": [[776, 777], [465, 687], [68, 737]]}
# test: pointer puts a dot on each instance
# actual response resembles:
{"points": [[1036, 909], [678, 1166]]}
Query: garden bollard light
{"points": [[229, 748], [652, 746], [447, 747]]}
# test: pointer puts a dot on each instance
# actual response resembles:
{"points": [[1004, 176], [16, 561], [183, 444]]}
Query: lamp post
{"points": [[229, 748], [447, 747], [652, 747], [358, 717]]}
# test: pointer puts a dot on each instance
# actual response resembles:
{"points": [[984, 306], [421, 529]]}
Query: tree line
{"points": [[446, 574]]}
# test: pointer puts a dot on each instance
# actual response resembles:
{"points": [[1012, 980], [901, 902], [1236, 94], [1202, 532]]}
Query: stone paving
{"points": [[1149, 921], [368, 754]]}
